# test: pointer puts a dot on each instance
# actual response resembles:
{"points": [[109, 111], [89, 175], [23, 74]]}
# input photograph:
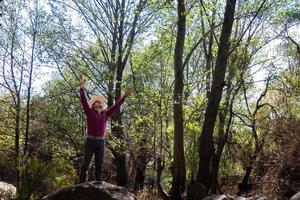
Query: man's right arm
{"points": [[84, 102], [83, 99]]}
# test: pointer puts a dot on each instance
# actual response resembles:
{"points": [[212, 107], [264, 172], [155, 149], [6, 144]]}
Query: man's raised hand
{"points": [[81, 79], [128, 91]]}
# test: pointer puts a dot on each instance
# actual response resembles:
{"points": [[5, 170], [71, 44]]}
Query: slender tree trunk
{"points": [[159, 170], [206, 147], [17, 101], [141, 163], [29, 94], [16, 96], [244, 186], [117, 129], [17, 132], [207, 47], [224, 126], [222, 140], [116, 119], [179, 175]]}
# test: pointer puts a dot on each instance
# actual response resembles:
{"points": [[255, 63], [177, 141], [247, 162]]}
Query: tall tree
{"points": [[179, 174], [13, 72], [206, 145], [34, 19], [206, 148], [18, 52]]}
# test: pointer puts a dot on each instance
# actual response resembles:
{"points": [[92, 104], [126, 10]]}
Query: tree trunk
{"points": [[206, 148], [245, 186], [117, 130], [179, 176], [141, 163], [222, 140], [29, 94], [159, 170], [207, 48], [122, 57], [224, 125], [17, 106]]}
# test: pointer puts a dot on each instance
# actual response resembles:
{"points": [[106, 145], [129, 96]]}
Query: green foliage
{"points": [[62, 174], [39, 177]]}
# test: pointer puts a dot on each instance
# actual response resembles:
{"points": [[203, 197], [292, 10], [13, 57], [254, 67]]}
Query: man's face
{"points": [[97, 106]]}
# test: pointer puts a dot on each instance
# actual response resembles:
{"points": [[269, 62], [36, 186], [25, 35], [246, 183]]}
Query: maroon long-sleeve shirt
{"points": [[97, 121]]}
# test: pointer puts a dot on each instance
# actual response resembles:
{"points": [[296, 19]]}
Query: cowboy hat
{"points": [[99, 98]]}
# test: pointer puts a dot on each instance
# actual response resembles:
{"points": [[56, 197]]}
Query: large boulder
{"points": [[7, 191], [296, 196], [92, 191]]}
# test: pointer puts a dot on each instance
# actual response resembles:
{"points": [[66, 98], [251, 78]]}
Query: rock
{"points": [[218, 197], [7, 191], [91, 191], [226, 197], [257, 197], [296, 196], [240, 198]]}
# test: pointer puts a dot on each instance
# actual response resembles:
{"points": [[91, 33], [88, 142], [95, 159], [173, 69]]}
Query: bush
{"points": [[40, 178]]}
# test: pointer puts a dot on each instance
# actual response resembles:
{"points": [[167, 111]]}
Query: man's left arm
{"points": [[118, 104]]}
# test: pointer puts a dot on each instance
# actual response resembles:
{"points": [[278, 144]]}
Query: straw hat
{"points": [[99, 98]]}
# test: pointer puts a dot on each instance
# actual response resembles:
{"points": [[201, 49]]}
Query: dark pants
{"points": [[92, 146]]}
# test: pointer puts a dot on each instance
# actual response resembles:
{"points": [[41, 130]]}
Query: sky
{"points": [[45, 73], [270, 52], [273, 53]]}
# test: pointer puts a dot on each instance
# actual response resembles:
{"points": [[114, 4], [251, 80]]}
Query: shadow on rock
{"points": [[91, 191]]}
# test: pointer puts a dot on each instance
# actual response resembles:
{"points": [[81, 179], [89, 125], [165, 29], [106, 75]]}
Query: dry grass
{"points": [[148, 194], [279, 180]]}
